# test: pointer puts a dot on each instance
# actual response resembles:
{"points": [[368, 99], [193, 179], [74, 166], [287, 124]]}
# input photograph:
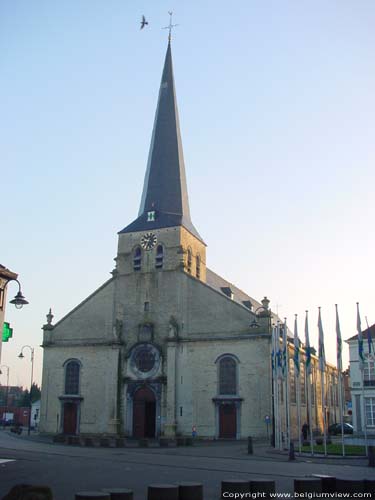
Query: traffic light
{"points": [[7, 332]]}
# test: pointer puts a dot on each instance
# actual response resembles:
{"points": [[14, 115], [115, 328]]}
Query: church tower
{"points": [[163, 237]]}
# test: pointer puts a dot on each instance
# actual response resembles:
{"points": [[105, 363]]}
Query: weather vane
{"points": [[170, 26]]}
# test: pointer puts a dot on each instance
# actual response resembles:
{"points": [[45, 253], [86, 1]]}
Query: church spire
{"points": [[165, 200]]}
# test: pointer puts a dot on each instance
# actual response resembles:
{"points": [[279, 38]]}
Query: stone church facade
{"points": [[165, 346]]}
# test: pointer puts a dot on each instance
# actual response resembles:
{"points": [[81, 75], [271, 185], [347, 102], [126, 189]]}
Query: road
{"points": [[69, 469]]}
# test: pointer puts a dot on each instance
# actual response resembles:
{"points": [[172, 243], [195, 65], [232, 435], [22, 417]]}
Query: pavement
{"points": [[69, 469]]}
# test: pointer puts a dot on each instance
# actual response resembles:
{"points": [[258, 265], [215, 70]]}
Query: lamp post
{"points": [[19, 300], [7, 390], [21, 356]]}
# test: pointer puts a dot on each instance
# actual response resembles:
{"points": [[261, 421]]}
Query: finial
{"points": [[49, 317], [170, 26]]}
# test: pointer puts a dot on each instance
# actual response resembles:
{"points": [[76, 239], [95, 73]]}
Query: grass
{"points": [[336, 449]]}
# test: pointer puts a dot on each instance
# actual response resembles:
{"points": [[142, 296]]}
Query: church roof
{"points": [[165, 192]]}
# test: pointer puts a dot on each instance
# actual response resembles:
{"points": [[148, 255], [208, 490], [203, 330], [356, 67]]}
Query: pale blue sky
{"points": [[277, 107]]}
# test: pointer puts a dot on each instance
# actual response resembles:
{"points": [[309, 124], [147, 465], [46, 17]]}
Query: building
{"points": [[362, 382], [5, 277], [165, 346]]}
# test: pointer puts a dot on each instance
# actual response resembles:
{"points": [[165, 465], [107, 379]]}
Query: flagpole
{"points": [[322, 372], [339, 369], [287, 400], [308, 381], [298, 382], [361, 361], [279, 376]]}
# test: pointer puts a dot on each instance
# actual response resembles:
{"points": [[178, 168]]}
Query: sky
{"points": [[276, 103]]}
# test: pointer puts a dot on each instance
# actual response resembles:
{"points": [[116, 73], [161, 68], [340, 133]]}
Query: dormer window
{"points": [[159, 257], [137, 259], [189, 260], [198, 266]]}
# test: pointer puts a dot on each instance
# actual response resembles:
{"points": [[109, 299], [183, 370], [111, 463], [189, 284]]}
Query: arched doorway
{"points": [[227, 421], [144, 413], [70, 418]]}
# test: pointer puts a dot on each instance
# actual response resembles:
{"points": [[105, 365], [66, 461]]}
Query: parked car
{"points": [[336, 429]]}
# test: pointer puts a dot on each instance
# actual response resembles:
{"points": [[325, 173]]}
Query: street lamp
{"points": [[21, 356], [265, 312], [7, 391], [19, 300]]}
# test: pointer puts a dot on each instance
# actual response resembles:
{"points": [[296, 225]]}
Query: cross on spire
{"points": [[170, 26]]}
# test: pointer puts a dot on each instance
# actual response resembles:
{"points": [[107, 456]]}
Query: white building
{"points": [[362, 383]]}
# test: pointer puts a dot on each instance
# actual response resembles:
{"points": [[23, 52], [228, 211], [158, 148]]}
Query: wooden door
{"points": [[228, 421], [144, 413], [70, 418]]}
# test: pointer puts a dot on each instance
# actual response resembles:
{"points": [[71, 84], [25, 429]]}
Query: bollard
{"points": [[162, 492], [88, 441], [371, 456], [234, 486], [27, 491], [92, 495], [119, 493], [291, 452], [120, 442], [250, 445], [262, 489], [307, 486], [369, 486], [328, 483], [190, 491], [163, 442], [349, 485]]}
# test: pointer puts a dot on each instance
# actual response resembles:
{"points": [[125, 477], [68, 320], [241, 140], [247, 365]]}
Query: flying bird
{"points": [[143, 22]]}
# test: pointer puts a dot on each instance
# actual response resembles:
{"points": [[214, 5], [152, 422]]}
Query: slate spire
{"points": [[165, 194]]}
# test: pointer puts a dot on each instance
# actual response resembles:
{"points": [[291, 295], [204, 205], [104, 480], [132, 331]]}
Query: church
{"points": [[165, 347]]}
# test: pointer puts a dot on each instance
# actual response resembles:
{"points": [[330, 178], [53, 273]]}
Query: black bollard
{"points": [[234, 486], [250, 445], [119, 493], [371, 456], [92, 495], [349, 485], [328, 483], [262, 489], [307, 486], [369, 486], [291, 452], [190, 491], [162, 492]]}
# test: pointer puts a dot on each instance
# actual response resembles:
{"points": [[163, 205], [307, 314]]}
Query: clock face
{"points": [[148, 241]]}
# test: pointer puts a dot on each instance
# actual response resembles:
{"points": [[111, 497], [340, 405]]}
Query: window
{"points": [[369, 372], [227, 376], [198, 266], [72, 377], [189, 260], [159, 257], [370, 411], [137, 259]]}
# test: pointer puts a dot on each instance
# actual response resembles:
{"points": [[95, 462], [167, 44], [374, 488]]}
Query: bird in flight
{"points": [[143, 22]]}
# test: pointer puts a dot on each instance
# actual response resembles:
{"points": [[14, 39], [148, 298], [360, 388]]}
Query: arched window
{"points": [[72, 369], [227, 376], [159, 257], [189, 260], [198, 266], [137, 259]]}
